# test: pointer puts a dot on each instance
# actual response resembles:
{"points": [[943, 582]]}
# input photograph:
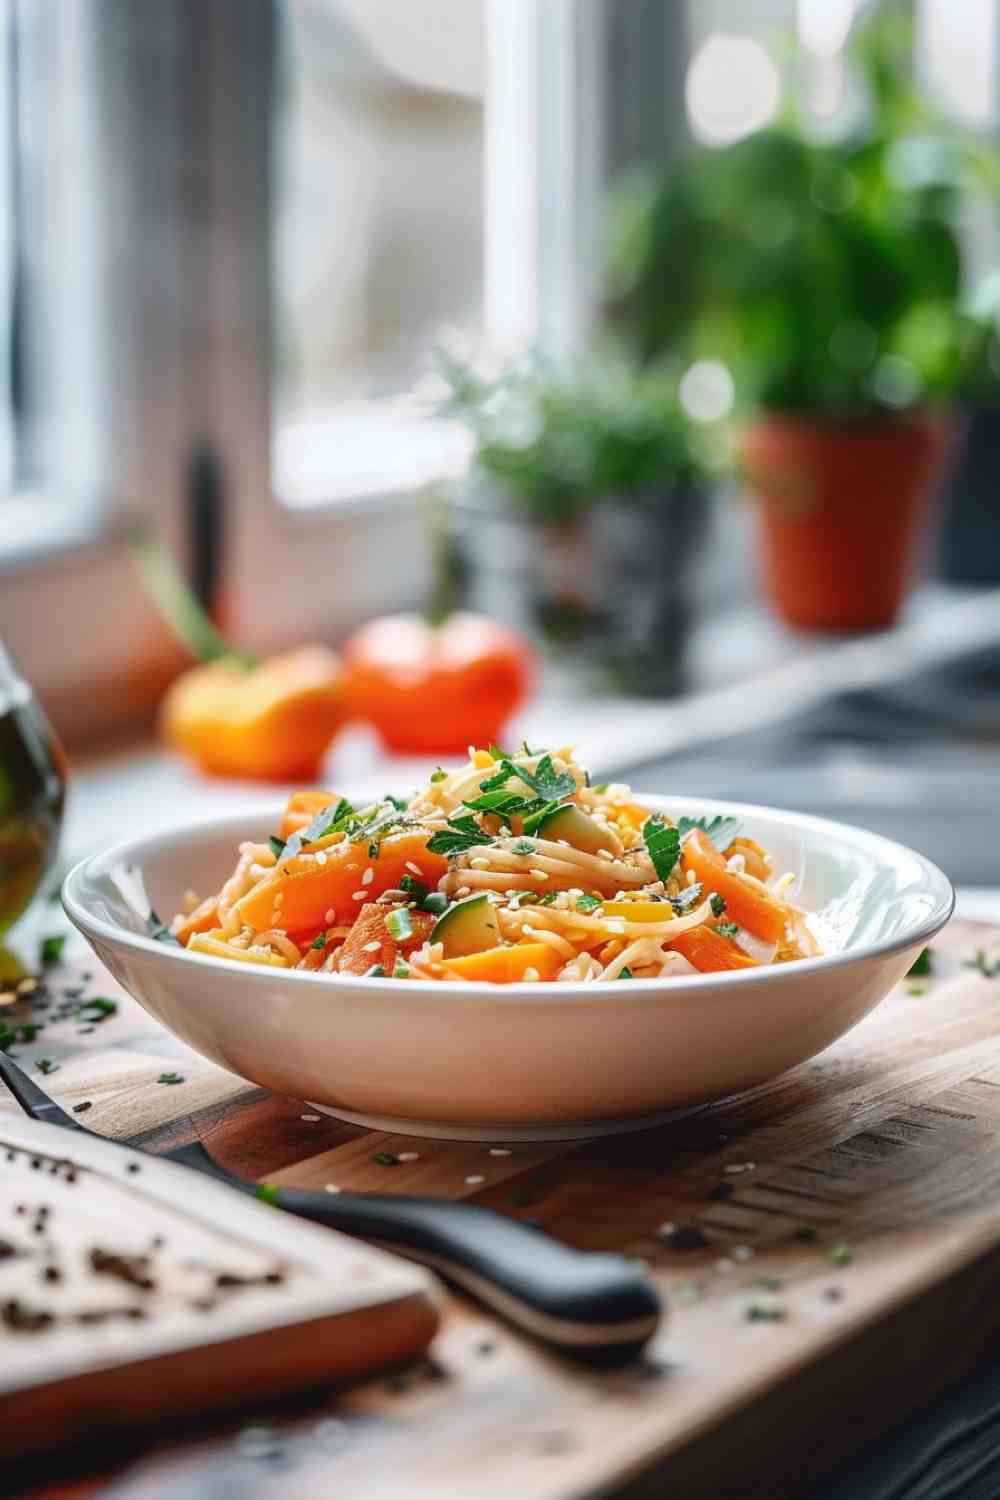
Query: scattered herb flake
{"points": [[461, 834], [98, 1008], [840, 1254], [277, 845], [587, 903], [267, 1192], [548, 898], [921, 964], [46, 1065], [50, 950], [158, 930], [718, 904], [171, 1078], [399, 803], [688, 899], [522, 846], [377, 971], [373, 849], [720, 830], [663, 845], [982, 963], [917, 989], [806, 1234], [399, 924], [726, 929], [602, 788], [401, 969], [436, 903], [626, 973], [319, 941], [81, 1109], [385, 1159], [759, 1312], [686, 1292]]}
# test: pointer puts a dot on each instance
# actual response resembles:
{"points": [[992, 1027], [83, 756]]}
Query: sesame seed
{"points": [[531, 975], [330, 1187], [358, 895], [368, 876], [409, 1156], [742, 1252], [331, 917], [735, 1167], [479, 863], [723, 1265], [464, 890], [475, 1179], [372, 947], [538, 875], [605, 854], [413, 869], [499, 1151], [310, 1118]]}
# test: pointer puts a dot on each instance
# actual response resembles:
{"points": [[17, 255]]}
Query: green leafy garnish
{"points": [[376, 971], [921, 964], [332, 819], [840, 1254], [267, 1192], [917, 989], [159, 931], [758, 1313], [769, 1283], [439, 775], [171, 1078], [401, 970], [545, 781], [399, 924], [522, 846], [663, 845], [506, 805], [688, 899], [587, 903], [319, 941], [522, 898], [548, 898], [46, 1065], [50, 950], [719, 829], [626, 973], [806, 1234], [460, 835], [982, 963], [385, 1159], [726, 929], [373, 849], [718, 904], [436, 903], [96, 1010], [497, 753], [277, 845], [534, 819], [602, 789], [399, 803]]}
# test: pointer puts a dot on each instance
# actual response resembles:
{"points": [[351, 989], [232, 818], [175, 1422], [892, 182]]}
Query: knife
{"points": [[595, 1306]]}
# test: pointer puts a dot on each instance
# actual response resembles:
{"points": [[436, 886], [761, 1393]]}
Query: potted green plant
{"points": [[583, 509], [826, 274]]}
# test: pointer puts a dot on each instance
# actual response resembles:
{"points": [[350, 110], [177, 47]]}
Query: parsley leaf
{"points": [[587, 903], [726, 929], [95, 1010], [718, 904], [663, 845], [460, 835], [921, 964], [319, 941], [505, 805], [545, 781], [50, 950], [536, 818], [436, 903], [399, 803], [720, 830], [330, 819], [522, 846], [687, 900], [171, 1078], [399, 924], [401, 970], [46, 1065], [522, 898]]}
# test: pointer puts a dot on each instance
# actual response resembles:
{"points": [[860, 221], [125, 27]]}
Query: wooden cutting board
{"points": [[131, 1289], [850, 1213]]}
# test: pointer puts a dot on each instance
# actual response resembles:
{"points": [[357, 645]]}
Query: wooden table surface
{"points": [[835, 1203]]}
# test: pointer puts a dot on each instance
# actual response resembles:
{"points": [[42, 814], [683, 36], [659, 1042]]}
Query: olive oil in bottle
{"points": [[32, 790]]}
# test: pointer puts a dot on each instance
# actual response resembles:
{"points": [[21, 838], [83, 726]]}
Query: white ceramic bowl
{"points": [[531, 1060]]}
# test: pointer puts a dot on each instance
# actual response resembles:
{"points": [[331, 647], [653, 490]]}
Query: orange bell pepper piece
{"points": [[708, 951], [506, 965], [273, 721], [765, 918], [298, 895], [204, 917], [370, 928], [302, 808]]}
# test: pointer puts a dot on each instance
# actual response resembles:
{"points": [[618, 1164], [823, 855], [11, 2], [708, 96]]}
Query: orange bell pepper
{"points": [[766, 919], [298, 895], [273, 721], [708, 951], [302, 808], [202, 919], [506, 965]]}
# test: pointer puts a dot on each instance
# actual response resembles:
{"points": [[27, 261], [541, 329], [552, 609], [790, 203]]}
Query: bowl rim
{"points": [[936, 884]]}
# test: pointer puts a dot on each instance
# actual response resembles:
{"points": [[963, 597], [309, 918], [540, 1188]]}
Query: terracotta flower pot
{"points": [[842, 508]]}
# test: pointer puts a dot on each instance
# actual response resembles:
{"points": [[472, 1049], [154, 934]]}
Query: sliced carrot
{"points": [[505, 965], [357, 954], [302, 808], [298, 895], [202, 919], [708, 951], [763, 917]]}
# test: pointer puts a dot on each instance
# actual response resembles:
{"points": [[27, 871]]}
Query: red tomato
{"points": [[435, 690]]}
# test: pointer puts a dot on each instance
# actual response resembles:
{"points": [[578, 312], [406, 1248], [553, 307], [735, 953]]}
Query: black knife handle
{"points": [[596, 1306]]}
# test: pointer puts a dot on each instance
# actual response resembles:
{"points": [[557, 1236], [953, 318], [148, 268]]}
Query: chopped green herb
{"points": [[385, 1159], [917, 989], [921, 964], [267, 1192], [726, 929], [663, 845], [534, 819], [522, 898], [401, 970], [548, 899], [497, 753], [319, 941], [332, 819], [436, 903], [758, 1312], [158, 930], [28, 1031], [439, 775], [806, 1234], [50, 950], [840, 1254], [545, 781], [415, 888], [587, 903], [277, 845], [602, 789], [626, 973], [171, 1078], [375, 972], [399, 803], [461, 834], [982, 963], [718, 904], [46, 1065], [522, 846], [508, 805], [97, 1009], [399, 924], [373, 849], [688, 899], [719, 829]]}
